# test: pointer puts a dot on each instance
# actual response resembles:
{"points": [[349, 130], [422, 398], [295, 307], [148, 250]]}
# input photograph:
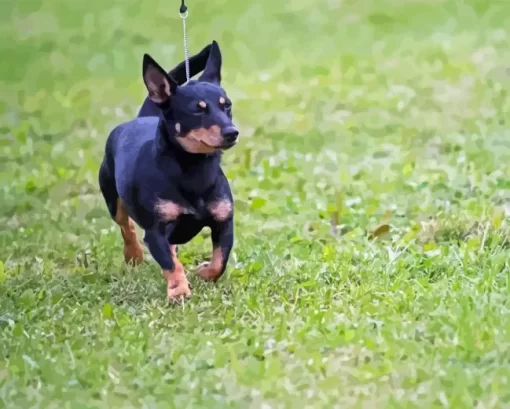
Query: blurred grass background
{"points": [[330, 74], [371, 112]]}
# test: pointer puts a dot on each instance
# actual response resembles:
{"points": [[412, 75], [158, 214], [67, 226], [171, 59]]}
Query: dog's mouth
{"points": [[228, 145], [205, 141], [224, 146]]}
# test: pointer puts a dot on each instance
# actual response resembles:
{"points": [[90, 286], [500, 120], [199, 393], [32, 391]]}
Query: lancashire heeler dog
{"points": [[163, 172]]}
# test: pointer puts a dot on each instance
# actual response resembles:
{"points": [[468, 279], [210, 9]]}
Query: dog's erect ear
{"points": [[212, 71], [159, 84], [196, 64]]}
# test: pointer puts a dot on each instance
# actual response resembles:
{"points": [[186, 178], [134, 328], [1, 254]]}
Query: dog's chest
{"points": [[197, 178], [196, 182], [193, 209], [189, 192]]}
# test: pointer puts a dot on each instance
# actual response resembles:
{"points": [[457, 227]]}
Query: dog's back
{"points": [[127, 145], [130, 142]]}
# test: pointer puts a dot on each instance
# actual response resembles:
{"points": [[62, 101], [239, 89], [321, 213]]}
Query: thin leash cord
{"points": [[183, 11]]}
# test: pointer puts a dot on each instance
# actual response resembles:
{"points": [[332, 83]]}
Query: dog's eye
{"points": [[225, 104], [201, 108]]}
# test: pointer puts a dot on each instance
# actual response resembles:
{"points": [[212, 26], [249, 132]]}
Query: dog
{"points": [[162, 170]]}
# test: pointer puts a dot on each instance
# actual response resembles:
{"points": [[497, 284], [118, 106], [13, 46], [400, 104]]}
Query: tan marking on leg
{"points": [[220, 209], [168, 210], [212, 271], [133, 250], [177, 284]]}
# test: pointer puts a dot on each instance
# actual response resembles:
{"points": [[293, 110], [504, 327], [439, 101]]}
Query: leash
{"points": [[183, 12]]}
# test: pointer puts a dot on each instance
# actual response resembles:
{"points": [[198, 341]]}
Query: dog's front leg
{"points": [[157, 242], [222, 236]]}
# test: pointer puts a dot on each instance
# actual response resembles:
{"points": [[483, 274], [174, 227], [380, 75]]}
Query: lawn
{"points": [[372, 184]]}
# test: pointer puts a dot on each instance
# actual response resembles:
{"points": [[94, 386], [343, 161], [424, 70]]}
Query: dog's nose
{"points": [[230, 133]]}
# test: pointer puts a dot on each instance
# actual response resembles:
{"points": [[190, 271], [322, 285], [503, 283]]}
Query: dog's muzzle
{"points": [[230, 135]]}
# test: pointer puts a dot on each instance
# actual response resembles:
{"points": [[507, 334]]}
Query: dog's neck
{"points": [[201, 169]]}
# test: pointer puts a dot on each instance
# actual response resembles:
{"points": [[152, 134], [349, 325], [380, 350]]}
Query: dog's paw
{"points": [[178, 293], [207, 273], [133, 254], [178, 288]]}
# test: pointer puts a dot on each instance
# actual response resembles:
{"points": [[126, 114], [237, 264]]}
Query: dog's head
{"points": [[200, 111]]}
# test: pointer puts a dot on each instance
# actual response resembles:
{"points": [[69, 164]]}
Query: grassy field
{"points": [[387, 116]]}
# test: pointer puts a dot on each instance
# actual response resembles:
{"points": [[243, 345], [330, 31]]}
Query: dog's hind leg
{"points": [[133, 250]]}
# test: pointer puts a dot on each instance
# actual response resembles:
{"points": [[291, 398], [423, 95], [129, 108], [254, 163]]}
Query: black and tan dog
{"points": [[162, 170]]}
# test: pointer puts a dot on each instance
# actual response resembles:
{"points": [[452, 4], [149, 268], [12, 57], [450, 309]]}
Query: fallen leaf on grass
{"points": [[379, 231]]}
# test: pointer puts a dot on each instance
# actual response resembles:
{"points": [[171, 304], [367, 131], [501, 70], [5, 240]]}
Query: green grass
{"points": [[364, 113]]}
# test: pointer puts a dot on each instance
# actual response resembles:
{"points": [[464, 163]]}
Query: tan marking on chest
{"points": [[169, 211], [220, 210]]}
